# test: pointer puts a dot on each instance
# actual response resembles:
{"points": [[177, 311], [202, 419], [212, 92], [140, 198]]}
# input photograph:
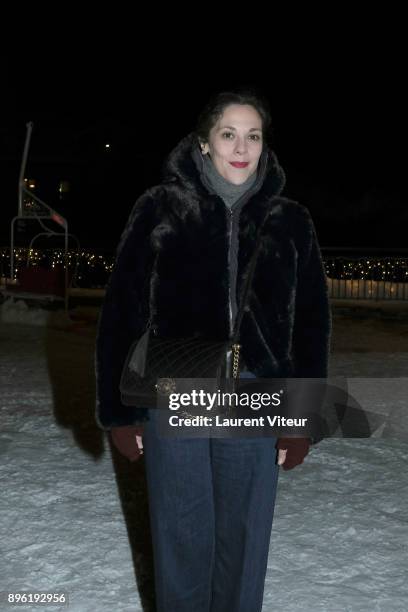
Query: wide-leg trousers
{"points": [[211, 503]]}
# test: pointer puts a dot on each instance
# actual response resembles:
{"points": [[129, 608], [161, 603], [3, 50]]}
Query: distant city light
{"points": [[64, 186], [361, 277], [107, 146], [32, 183]]}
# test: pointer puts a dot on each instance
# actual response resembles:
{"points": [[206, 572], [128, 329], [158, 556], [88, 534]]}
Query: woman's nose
{"points": [[240, 147]]}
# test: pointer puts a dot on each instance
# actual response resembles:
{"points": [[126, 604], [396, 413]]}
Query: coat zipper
{"points": [[232, 354], [229, 269], [232, 364]]}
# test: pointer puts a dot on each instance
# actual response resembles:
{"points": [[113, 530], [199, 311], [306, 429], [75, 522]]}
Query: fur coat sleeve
{"points": [[312, 316], [124, 315]]}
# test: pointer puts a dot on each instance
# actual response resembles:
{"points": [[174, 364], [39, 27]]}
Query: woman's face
{"points": [[235, 142]]}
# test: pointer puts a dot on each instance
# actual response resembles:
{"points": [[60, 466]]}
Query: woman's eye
{"points": [[253, 136]]}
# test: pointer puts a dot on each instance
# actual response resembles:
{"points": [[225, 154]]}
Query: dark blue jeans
{"points": [[211, 507]]}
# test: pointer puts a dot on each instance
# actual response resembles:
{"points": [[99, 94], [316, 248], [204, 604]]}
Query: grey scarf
{"points": [[229, 192]]}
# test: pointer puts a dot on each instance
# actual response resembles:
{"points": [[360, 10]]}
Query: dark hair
{"points": [[216, 105]]}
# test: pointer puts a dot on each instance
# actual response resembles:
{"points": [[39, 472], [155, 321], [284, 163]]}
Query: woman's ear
{"points": [[204, 147]]}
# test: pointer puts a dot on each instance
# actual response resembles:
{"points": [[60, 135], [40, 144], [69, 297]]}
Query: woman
{"points": [[182, 260]]}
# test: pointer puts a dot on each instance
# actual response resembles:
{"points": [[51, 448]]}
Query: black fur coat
{"points": [[172, 261]]}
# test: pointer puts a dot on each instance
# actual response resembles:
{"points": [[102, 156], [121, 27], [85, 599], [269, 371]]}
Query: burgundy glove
{"points": [[297, 450], [124, 438]]}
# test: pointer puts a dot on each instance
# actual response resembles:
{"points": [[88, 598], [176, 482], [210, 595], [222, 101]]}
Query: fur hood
{"points": [[185, 159], [172, 265]]}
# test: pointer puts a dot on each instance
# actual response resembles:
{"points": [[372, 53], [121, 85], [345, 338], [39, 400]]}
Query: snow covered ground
{"points": [[73, 514]]}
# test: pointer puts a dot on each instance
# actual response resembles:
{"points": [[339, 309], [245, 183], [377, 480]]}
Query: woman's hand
{"points": [[292, 451], [128, 441]]}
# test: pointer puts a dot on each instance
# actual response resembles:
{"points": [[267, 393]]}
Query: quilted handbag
{"points": [[152, 362]]}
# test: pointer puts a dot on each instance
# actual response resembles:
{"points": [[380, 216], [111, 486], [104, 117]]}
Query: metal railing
{"points": [[367, 274]]}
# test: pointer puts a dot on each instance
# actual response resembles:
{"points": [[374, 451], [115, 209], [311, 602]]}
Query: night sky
{"points": [[339, 133]]}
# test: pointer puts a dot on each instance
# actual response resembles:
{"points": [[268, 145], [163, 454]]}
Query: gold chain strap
{"points": [[235, 360]]}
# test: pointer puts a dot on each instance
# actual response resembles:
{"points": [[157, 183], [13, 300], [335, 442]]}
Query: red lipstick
{"points": [[239, 164]]}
